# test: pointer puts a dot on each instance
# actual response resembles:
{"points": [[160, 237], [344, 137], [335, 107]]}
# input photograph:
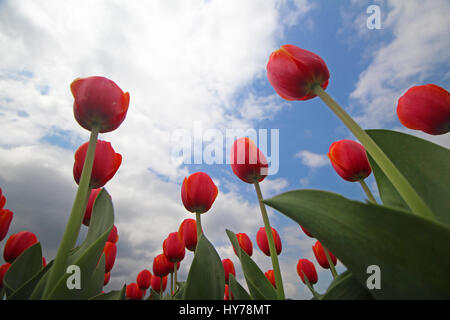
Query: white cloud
{"points": [[312, 160]]}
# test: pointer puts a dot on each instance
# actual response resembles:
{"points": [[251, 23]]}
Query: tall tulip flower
{"points": [[6, 217], [244, 243], [133, 292], [308, 274], [325, 258], [110, 251], [18, 243], [143, 279], [188, 233], [228, 268], [106, 163], [425, 108], [263, 244], [99, 102], [297, 74]]}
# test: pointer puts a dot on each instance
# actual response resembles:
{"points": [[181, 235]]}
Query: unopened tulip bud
{"points": [[143, 279], [263, 243], [198, 192], [228, 268], [349, 160], [133, 292], [173, 247], [6, 217], [271, 277], [18, 243], [244, 243], [110, 251], [306, 267], [188, 233], [248, 162], [321, 257]]}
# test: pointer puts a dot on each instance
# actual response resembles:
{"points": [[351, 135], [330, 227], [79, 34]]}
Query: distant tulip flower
{"points": [[113, 235], [244, 243], [307, 267], [106, 278], [99, 102], [2, 199], [6, 217], [173, 247], [307, 232], [161, 267], [156, 283], [198, 192], [271, 277], [18, 243], [188, 233], [228, 268], [425, 108], [44, 262], [106, 163], [143, 279], [263, 244], [349, 160], [293, 72], [3, 269], [320, 256], [133, 292], [110, 251], [88, 212], [247, 161]]}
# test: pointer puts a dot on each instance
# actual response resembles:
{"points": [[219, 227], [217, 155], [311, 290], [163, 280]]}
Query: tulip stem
{"points": [[175, 274], [330, 263], [199, 224], [367, 191], [272, 249], [75, 219], [310, 287], [171, 283], [415, 203], [161, 287]]}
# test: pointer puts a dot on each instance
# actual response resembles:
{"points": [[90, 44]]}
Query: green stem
{"points": [[75, 219], [416, 204], [310, 287], [171, 283], [199, 225], [330, 262], [272, 249], [175, 284], [160, 287], [367, 191]]}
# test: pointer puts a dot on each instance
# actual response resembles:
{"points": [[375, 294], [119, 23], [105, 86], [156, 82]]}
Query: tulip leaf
{"points": [[411, 251], [238, 292], [346, 287], [206, 278], [154, 295], [259, 286], [23, 269], [112, 295], [424, 164], [25, 291]]}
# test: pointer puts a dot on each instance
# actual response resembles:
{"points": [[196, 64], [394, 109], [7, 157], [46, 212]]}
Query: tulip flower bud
{"points": [[106, 163], [228, 268], [88, 212], [244, 243], [2, 199], [271, 277], [248, 162], [110, 251], [307, 232], [44, 262], [106, 278], [3, 270], [143, 279], [6, 217], [425, 108], [349, 160], [133, 292], [321, 257], [198, 192], [307, 267], [228, 295], [18, 243], [188, 233], [161, 267], [113, 236], [173, 247], [263, 243], [293, 72], [156, 283], [99, 102]]}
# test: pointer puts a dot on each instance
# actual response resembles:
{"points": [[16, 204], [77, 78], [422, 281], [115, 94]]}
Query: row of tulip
{"points": [[359, 234]]}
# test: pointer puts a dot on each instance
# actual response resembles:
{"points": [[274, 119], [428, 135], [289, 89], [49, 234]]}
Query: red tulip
{"points": [[307, 267], [3, 270], [6, 217], [307, 232], [271, 277], [349, 160], [18, 243], [293, 72], [99, 102], [156, 283], [106, 278], [113, 236], [188, 233], [321, 257], [44, 262], [263, 244], [248, 162], [161, 266], [106, 163], [143, 279], [173, 247], [133, 292], [88, 212], [110, 251], [228, 295], [228, 268], [198, 192], [425, 108], [2, 199], [244, 243]]}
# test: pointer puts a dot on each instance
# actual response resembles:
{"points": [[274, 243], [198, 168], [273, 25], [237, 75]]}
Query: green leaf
{"points": [[25, 291], [259, 286], [238, 292], [424, 164], [206, 278], [154, 295], [346, 287], [24, 268], [112, 295], [412, 252]]}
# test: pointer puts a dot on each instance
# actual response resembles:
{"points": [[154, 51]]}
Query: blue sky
{"points": [[194, 62]]}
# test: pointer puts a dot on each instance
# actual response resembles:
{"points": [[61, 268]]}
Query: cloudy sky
{"points": [[198, 67]]}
